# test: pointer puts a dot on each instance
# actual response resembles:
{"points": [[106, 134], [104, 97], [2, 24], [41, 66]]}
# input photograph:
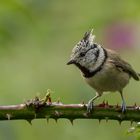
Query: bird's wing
{"points": [[121, 64]]}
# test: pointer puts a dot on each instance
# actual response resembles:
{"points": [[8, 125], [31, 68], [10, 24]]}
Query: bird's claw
{"points": [[90, 106], [123, 107]]}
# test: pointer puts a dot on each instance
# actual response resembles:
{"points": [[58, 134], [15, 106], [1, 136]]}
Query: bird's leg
{"points": [[123, 102], [90, 102]]}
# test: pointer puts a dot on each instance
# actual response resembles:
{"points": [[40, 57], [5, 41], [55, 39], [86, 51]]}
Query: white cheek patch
{"points": [[91, 62], [91, 56], [100, 59]]}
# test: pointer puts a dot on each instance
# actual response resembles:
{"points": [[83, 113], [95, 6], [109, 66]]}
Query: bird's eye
{"points": [[82, 54]]}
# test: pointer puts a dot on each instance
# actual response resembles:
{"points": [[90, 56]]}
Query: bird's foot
{"points": [[90, 106], [90, 103], [123, 108]]}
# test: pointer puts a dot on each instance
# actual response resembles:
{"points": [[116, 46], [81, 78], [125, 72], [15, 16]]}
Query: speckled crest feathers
{"points": [[86, 42]]}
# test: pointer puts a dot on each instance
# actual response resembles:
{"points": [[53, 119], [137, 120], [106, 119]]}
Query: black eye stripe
{"points": [[82, 54], [94, 46]]}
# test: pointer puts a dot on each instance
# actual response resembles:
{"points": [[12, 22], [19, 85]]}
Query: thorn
{"points": [[103, 104], [36, 98], [135, 106], [83, 103], [120, 122], [48, 95], [106, 118], [71, 121], [106, 104], [29, 121], [117, 106], [56, 119], [47, 118], [131, 122], [99, 121], [8, 116]]}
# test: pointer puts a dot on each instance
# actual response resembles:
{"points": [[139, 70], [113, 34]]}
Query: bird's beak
{"points": [[71, 62]]}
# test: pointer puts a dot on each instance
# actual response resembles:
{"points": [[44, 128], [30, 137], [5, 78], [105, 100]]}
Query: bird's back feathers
{"points": [[121, 64]]}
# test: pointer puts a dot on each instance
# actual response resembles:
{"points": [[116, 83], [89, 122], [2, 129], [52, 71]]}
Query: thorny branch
{"points": [[43, 108]]}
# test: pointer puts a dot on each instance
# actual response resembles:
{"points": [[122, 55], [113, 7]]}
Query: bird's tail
{"points": [[139, 75]]}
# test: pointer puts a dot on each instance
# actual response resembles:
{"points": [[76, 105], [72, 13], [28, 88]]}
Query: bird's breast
{"points": [[108, 79]]}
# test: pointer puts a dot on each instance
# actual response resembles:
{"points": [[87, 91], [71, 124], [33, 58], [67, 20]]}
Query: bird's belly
{"points": [[108, 80]]}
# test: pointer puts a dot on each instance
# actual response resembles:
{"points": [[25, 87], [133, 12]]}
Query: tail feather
{"points": [[138, 75]]}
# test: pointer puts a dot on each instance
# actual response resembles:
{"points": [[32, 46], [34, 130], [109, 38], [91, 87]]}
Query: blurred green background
{"points": [[36, 39]]}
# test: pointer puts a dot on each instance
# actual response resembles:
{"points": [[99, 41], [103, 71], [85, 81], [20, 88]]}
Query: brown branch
{"points": [[44, 108]]}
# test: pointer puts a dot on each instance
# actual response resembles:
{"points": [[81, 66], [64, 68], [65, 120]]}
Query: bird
{"points": [[103, 69]]}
